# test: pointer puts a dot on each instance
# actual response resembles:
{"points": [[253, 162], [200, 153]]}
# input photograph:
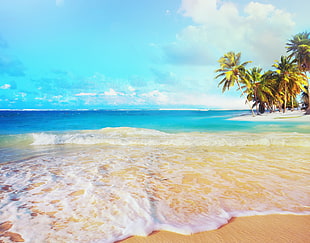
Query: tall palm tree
{"points": [[231, 71], [261, 89], [269, 90], [299, 47], [290, 79], [251, 80], [305, 98]]}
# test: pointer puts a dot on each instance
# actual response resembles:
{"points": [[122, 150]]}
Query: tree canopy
{"points": [[273, 89]]}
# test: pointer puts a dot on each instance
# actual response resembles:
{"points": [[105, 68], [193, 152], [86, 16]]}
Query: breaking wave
{"points": [[138, 136]]}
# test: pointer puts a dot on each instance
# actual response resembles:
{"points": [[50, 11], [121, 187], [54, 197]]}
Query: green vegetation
{"points": [[273, 89]]}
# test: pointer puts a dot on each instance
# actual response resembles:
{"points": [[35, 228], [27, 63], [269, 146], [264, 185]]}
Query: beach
{"points": [[292, 116], [163, 176], [263, 228], [260, 229]]}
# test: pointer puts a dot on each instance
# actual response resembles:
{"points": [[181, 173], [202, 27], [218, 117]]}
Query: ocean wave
{"points": [[105, 194], [138, 136]]}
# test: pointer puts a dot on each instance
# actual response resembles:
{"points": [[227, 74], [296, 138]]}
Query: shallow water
{"points": [[105, 185]]}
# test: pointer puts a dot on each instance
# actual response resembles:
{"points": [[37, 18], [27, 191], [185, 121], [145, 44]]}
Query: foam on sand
{"points": [[267, 228], [142, 181]]}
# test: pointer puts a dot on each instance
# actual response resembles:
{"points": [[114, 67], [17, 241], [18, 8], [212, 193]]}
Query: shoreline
{"points": [[261, 228], [295, 116]]}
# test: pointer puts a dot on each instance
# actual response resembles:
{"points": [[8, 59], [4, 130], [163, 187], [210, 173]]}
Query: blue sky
{"points": [[126, 54]]}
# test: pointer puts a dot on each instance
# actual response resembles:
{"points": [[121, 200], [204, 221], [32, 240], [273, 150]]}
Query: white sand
{"points": [[296, 115]]}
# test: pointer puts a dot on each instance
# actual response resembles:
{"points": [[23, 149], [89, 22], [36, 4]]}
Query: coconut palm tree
{"points": [[251, 80], [261, 89], [305, 98], [290, 79], [270, 94], [231, 71], [299, 48]]}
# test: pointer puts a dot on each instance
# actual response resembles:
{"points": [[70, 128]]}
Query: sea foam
{"points": [[136, 136], [133, 181]]}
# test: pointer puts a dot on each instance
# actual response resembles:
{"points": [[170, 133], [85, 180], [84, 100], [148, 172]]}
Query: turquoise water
{"points": [[14, 122], [20, 122], [102, 176]]}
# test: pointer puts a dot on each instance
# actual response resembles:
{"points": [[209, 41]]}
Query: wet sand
{"points": [[268, 228]]}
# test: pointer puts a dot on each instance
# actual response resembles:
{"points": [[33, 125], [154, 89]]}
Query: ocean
{"points": [[102, 176]]}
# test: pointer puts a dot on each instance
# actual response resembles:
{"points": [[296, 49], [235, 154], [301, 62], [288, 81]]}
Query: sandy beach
{"points": [[114, 183], [264, 228], [296, 115], [267, 228]]}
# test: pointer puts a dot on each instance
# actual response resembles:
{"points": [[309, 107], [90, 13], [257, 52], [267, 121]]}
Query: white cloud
{"points": [[86, 94], [22, 94], [258, 30], [112, 92], [214, 101], [40, 98], [196, 99], [131, 89], [157, 97], [5, 86]]}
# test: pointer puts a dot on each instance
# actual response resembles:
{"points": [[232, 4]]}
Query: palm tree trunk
{"points": [[255, 98], [285, 98], [280, 106], [308, 109], [246, 100], [292, 100]]}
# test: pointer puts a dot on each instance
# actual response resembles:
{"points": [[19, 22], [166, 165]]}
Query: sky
{"points": [[136, 54]]}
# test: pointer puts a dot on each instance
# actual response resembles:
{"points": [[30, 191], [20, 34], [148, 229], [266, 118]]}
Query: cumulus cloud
{"points": [[194, 99], [258, 30], [5, 86], [112, 92], [156, 97]]}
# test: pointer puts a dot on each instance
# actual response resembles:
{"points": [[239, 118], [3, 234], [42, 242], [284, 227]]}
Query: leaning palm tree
{"points": [[290, 79], [299, 47], [231, 71]]}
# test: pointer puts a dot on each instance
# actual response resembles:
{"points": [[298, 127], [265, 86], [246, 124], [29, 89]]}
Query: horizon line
{"points": [[134, 109]]}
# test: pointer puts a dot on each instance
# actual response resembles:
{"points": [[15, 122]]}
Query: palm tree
{"points": [[231, 71], [261, 89], [305, 98], [270, 95], [290, 79], [251, 80], [299, 47]]}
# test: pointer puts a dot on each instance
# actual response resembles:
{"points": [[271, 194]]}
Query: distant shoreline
{"points": [[133, 109], [296, 115]]}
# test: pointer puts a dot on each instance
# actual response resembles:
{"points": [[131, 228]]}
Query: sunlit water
{"points": [[103, 185]]}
